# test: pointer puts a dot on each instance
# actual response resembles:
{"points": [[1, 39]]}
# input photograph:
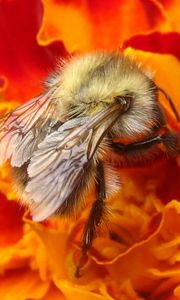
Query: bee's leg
{"points": [[95, 217], [171, 103], [170, 140]]}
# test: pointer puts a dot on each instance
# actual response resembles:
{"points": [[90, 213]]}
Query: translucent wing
{"points": [[59, 164], [20, 129]]}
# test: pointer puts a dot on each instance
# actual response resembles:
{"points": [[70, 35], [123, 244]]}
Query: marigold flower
{"points": [[141, 258]]}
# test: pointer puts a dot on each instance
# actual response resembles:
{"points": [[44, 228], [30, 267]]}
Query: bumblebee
{"points": [[60, 143]]}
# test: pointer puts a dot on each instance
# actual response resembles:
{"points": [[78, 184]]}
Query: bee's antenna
{"points": [[170, 103]]}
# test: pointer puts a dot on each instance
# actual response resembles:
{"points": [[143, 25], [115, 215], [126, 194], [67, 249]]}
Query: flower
{"points": [[140, 259]]}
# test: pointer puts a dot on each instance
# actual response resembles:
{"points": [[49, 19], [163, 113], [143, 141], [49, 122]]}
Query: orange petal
{"points": [[85, 25], [53, 294], [172, 9], [6, 183], [167, 287], [72, 292], [54, 251], [166, 72], [24, 253], [124, 290], [139, 261], [66, 22], [22, 284], [177, 291]]}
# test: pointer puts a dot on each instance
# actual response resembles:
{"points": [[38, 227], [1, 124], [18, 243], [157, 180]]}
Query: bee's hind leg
{"points": [[94, 219], [170, 140]]}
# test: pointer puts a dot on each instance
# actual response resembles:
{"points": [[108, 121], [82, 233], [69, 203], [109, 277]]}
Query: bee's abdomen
{"points": [[20, 178]]}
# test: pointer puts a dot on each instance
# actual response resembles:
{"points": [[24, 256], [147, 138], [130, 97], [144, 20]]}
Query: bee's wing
{"points": [[58, 166], [21, 128]]}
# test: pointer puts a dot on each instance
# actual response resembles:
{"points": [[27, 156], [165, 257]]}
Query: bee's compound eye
{"points": [[124, 100]]}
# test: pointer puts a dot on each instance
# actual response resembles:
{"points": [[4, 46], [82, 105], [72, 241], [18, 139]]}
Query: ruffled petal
{"points": [[148, 262], [172, 9], [159, 65], [54, 293], [85, 25], [50, 256], [11, 225], [72, 292], [22, 284], [23, 63], [138, 256], [156, 42]]}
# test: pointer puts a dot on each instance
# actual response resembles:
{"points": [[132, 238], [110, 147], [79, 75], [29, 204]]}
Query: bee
{"points": [[64, 140]]}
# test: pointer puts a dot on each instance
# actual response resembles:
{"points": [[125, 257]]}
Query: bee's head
{"points": [[89, 83]]}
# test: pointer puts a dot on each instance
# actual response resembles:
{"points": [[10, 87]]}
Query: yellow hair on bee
{"points": [[87, 84]]}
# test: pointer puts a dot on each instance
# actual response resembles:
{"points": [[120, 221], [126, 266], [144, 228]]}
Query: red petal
{"points": [[165, 43], [11, 229], [115, 21], [169, 188], [22, 60]]}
